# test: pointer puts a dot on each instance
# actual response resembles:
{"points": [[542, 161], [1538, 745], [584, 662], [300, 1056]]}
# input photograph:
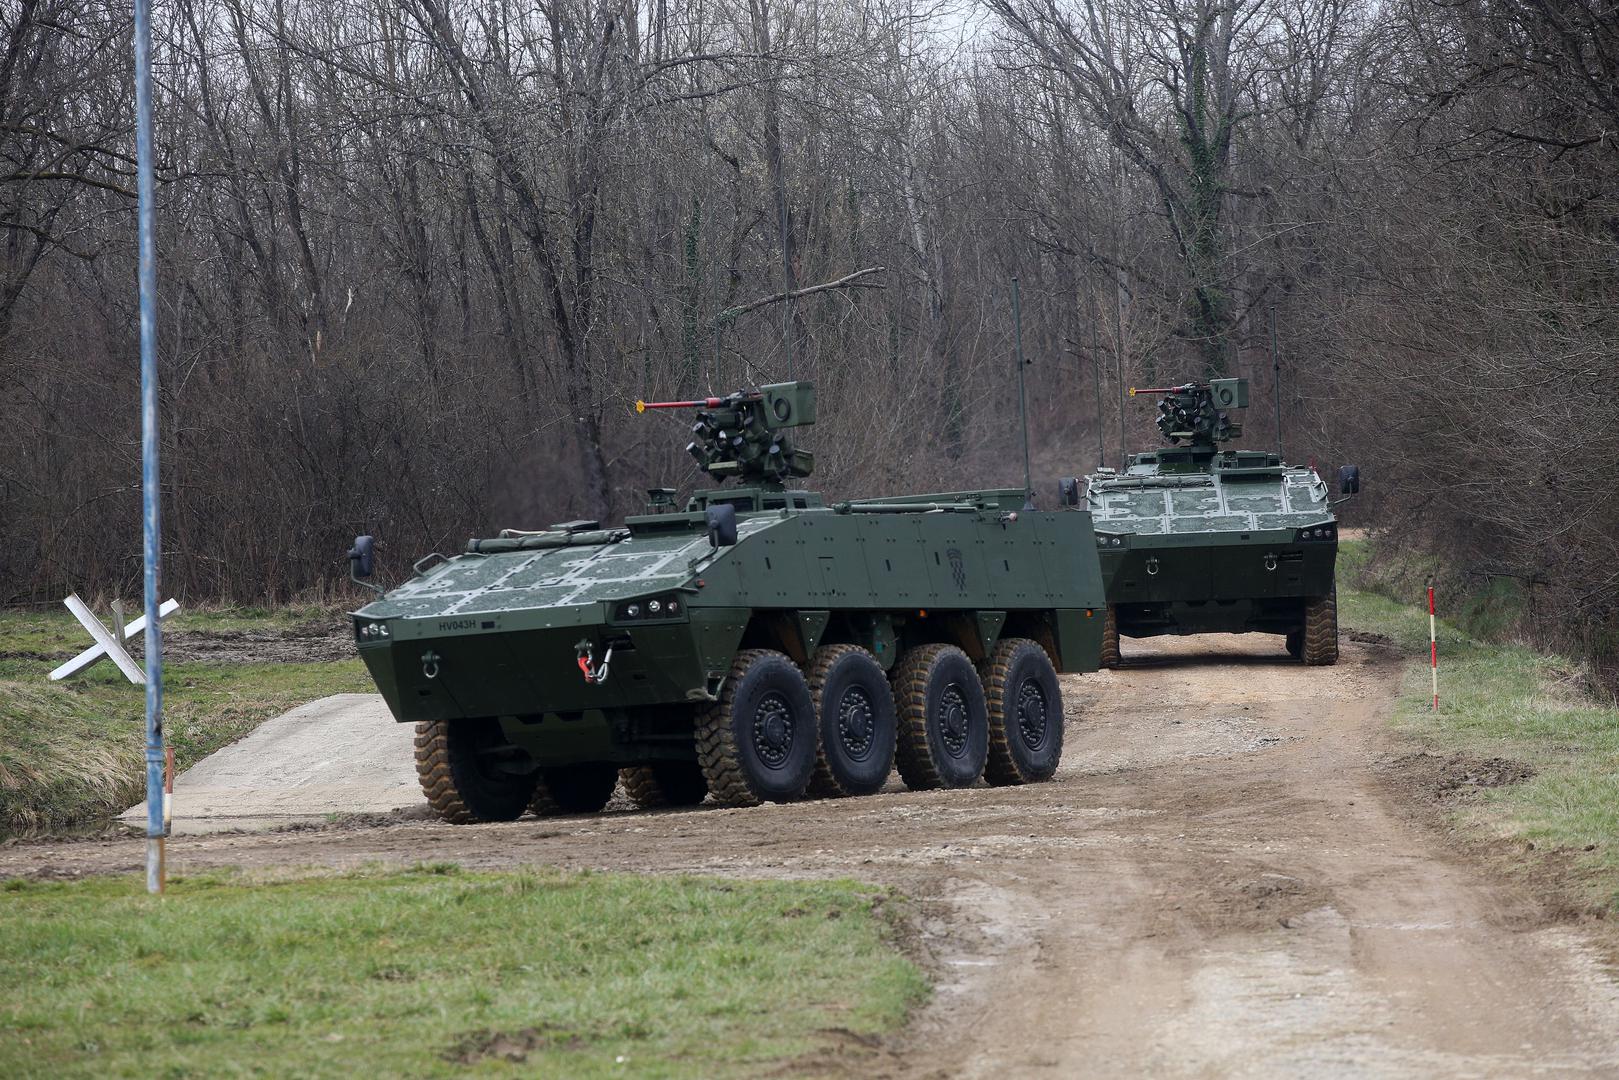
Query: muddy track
{"points": [[1219, 882]]}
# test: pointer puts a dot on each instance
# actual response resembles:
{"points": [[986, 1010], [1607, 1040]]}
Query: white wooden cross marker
{"points": [[106, 643]]}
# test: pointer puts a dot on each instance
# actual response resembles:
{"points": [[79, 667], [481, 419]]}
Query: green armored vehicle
{"points": [[1197, 539], [756, 645]]}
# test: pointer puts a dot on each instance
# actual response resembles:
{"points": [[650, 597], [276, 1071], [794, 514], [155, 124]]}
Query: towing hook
{"points": [[1152, 564], [1270, 561], [595, 674], [430, 660]]}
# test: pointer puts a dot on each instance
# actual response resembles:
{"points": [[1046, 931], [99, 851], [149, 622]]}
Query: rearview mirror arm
{"points": [[354, 576]]}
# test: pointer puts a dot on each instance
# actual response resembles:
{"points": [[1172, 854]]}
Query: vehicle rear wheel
{"points": [[757, 743], [1110, 638], [466, 771], [943, 719], [665, 783], [854, 709], [1321, 630], [574, 789], [1025, 713]]}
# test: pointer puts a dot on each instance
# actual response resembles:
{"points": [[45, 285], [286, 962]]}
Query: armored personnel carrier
{"points": [[1195, 538], [757, 644]]}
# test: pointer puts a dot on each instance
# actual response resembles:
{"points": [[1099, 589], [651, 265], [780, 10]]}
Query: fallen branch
{"points": [[846, 282]]}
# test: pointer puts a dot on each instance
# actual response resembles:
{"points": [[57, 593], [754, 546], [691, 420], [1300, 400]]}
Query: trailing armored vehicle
{"points": [[1198, 539], [758, 644]]}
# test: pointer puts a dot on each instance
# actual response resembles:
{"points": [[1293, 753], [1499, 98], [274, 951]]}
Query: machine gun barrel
{"points": [[700, 403], [1161, 389]]}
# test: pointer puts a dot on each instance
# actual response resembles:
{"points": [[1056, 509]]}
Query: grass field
{"points": [[1499, 699], [72, 752], [439, 972]]}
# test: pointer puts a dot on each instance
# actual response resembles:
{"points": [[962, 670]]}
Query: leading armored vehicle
{"points": [[757, 644], [1196, 538]]}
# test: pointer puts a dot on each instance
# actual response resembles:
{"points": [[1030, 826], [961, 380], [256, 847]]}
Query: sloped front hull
{"points": [[1200, 584]]}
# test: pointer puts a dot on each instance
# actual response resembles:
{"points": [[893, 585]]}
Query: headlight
{"points": [[1318, 532], [661, 607], [370, 631]]}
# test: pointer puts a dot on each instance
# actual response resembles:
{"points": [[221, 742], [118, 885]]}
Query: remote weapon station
{"points": [[1197, 539], [756, 645]]}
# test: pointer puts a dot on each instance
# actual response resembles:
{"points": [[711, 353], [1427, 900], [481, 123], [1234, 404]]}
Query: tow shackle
{"points": [[595, 674]]}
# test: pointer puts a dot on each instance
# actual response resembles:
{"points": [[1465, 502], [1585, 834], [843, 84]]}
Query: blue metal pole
{"points": [[146, 216]]}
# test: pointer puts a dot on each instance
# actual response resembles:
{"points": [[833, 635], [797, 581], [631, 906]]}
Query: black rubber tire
{"points": [[1295, 643], [1025, 713], [665, 783], [854, 710], [757, 743], [1321, 630], [943, 719], [573, 789], [458, 777], [1110, 638]]}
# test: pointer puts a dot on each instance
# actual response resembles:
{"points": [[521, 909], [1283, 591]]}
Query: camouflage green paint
{"points": [[1198, 539], [499, 631]]}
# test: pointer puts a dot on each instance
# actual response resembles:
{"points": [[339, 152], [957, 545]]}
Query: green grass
{"points": [[1500, 699], [402, 973], [72, 752]]}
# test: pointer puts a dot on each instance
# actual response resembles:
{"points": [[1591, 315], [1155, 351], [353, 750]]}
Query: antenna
{"points": [[1276, 380], [1022, 398], [1118, 368], [1096, 378]]}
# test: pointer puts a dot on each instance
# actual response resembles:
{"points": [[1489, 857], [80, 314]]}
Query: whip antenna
{"points": [[1276, 380], [1022, 398]]}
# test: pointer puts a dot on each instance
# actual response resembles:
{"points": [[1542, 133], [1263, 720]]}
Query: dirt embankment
{"points": [[1220, 882], [307, 643]]}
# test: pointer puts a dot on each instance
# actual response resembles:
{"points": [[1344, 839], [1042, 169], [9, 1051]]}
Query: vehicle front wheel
{"points": [[1025, 713], [854, 708], [471, 772], [1321, 630], [943, 719], [1110, 638], [758, 742]]}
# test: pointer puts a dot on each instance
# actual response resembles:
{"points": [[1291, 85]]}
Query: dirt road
{"points": [[1220, 882]]}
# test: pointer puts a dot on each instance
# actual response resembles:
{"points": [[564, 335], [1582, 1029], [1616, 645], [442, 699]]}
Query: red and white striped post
{"points": [[1433, 647]]}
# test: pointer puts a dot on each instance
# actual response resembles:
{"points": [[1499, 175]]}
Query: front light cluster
{"points": [[658, 607], [1103, 540], [1319, 532], [371, 631]]}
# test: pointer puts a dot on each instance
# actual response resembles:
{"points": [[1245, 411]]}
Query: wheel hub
{"points": [[773, 730], [855, 722], [953, 720], [1031, 714]]}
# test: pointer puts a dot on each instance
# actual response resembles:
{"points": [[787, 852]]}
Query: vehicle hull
{"points": [[462, 643], [1201, 583]]}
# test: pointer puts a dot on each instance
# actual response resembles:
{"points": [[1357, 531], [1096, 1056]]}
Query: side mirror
{"points": [[721, 521], [1349, 479], [361, 557], [1068, 486]]}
